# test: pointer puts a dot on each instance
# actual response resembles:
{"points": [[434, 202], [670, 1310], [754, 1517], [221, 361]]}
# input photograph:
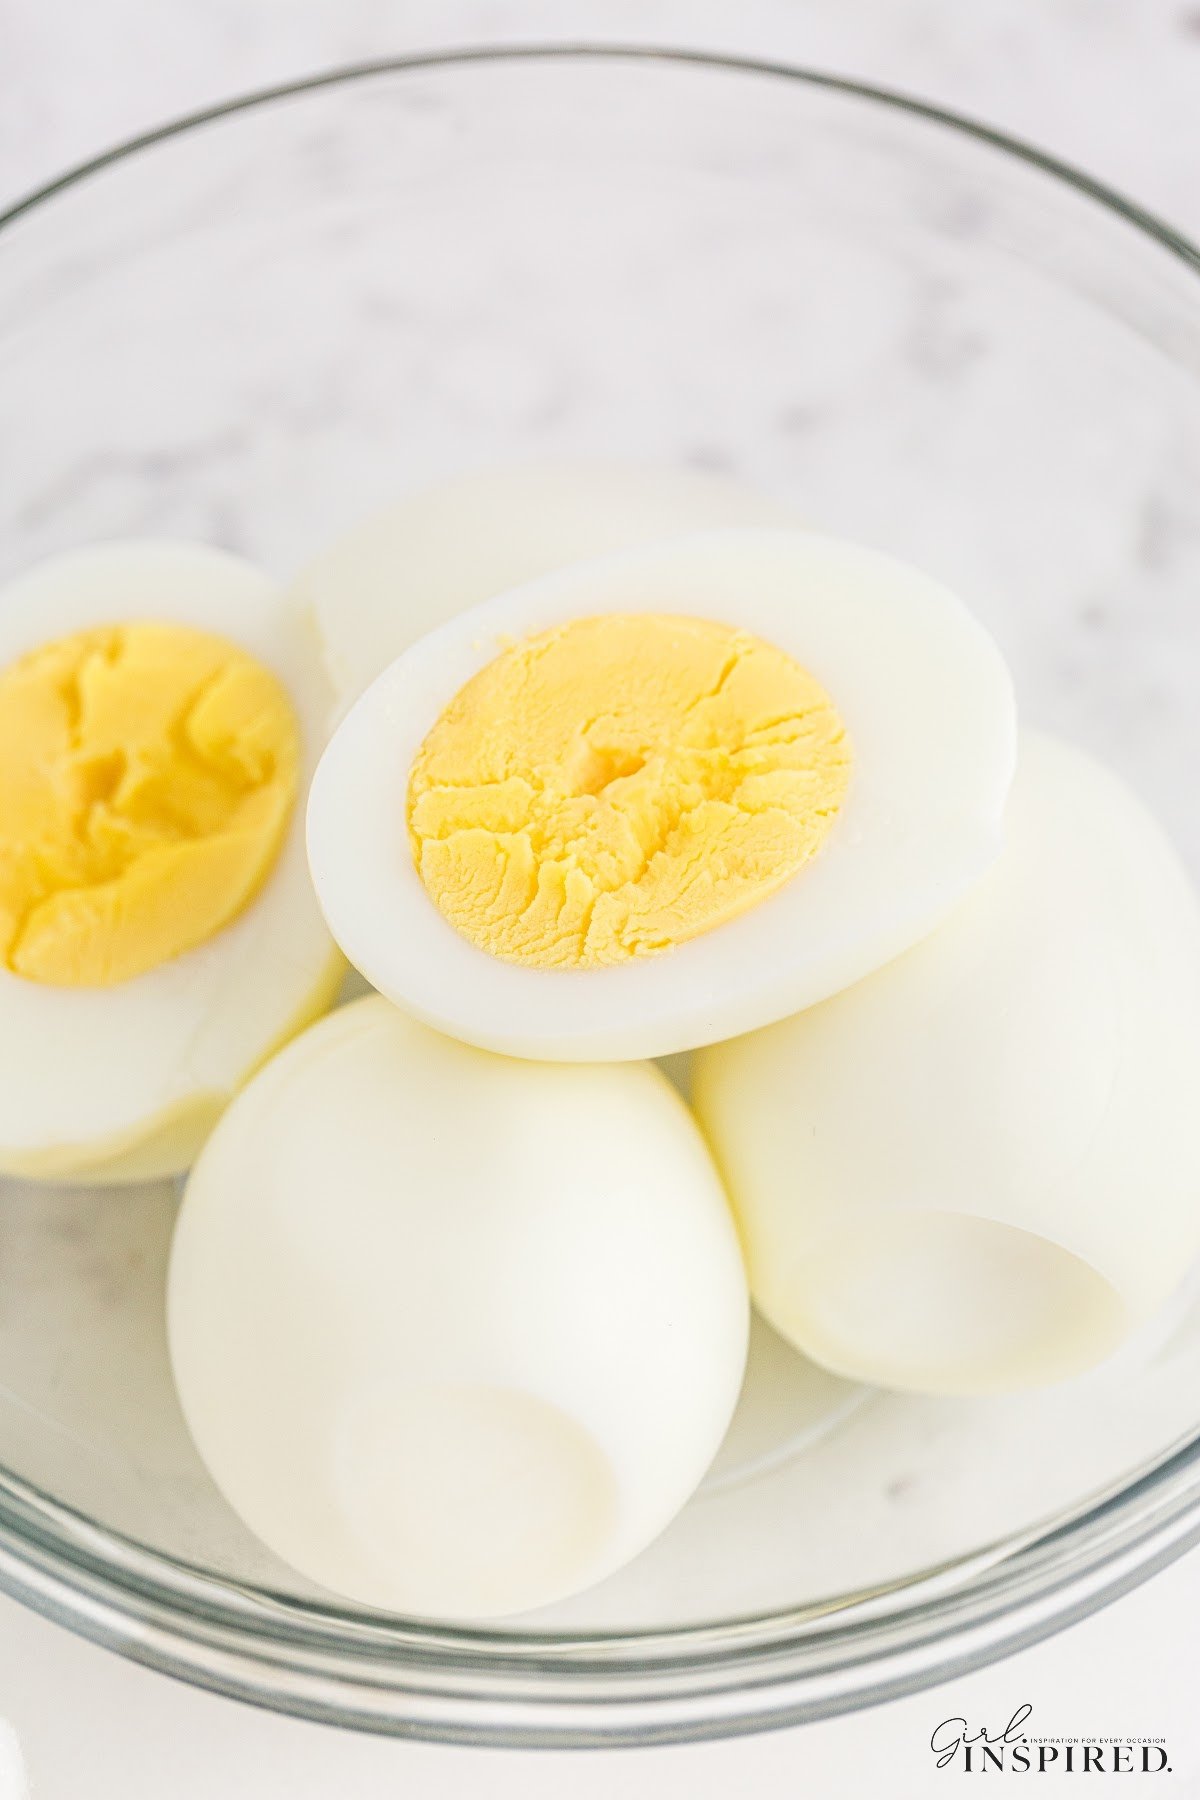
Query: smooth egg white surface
{"points": [[389, 580], [124, 1082], [979, 1168], [927, 703], [455, 1335]]}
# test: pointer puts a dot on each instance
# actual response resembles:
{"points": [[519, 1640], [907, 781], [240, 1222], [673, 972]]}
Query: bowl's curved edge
{"points": [[586, 50], [757, 1685]]}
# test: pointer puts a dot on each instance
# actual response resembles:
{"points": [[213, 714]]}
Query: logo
{"points": [[976, 1750]]}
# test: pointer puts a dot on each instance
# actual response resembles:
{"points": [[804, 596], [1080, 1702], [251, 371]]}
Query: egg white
{"points": [[926, 700], [393, 577], [454, 1334], [979, 1169], [124, 1082]]}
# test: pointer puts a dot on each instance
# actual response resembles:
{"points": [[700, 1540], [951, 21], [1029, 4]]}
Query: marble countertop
{"points": [[1106, 84]]}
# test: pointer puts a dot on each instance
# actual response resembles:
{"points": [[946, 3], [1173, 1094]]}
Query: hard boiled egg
{"points": [[664, 797], [393, 577], [455, 1334], [979, 1168], [161, 709]]}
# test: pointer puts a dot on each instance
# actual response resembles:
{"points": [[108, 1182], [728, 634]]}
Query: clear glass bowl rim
{"points": [[415, 1679]]}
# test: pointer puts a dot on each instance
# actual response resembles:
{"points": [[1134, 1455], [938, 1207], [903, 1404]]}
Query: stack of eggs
{"points": [[627, 766]]}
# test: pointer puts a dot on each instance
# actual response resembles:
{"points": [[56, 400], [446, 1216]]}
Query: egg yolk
{"points": [[620, 784], [147, 774]]}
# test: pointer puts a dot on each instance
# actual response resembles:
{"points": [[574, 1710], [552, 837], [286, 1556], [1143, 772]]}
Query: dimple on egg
{"points": [[664, 797], [160, 711], [455, 1334]]}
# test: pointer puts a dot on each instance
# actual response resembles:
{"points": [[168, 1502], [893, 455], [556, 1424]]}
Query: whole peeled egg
{"points": [[392, 577], [455, 1334], [979, 1169], [665, 796], [161, 709]]}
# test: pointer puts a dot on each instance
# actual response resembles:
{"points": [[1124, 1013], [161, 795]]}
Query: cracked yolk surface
{"points": [[147, 776], [620, 784]]}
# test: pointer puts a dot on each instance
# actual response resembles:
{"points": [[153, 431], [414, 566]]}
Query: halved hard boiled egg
{"points": [[161, 709], [979, 1168], [390, 579], [664, 797], [455, 1334]]}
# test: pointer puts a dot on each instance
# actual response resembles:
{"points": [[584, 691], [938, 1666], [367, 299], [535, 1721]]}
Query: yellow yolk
{"points": [[147, 775], [620, 784]]}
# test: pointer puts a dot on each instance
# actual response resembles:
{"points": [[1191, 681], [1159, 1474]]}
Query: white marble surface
{"points": [[1110, 84]]}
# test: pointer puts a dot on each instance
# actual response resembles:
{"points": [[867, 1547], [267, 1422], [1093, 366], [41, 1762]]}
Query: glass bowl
{"points": [[256, 325]]}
